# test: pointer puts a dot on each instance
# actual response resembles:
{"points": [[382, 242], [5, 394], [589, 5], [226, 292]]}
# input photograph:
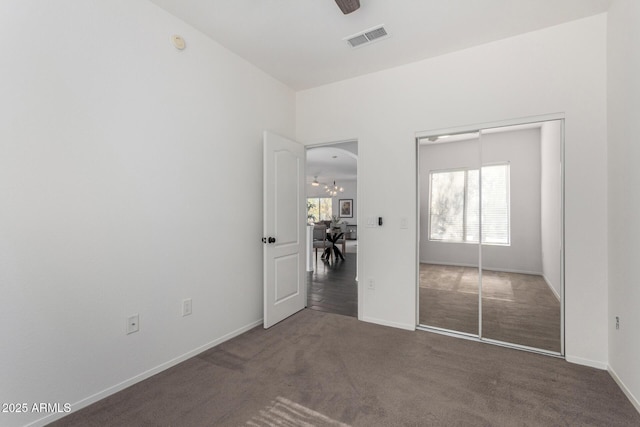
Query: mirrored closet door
{"points": [[450, 220], [491, 234]]}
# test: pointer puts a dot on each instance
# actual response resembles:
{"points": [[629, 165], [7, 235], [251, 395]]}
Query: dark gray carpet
{"points": [[516, 308], [324, 369]]}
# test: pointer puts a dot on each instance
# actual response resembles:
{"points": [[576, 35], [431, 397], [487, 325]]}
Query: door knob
{"points": [[272, 239]]}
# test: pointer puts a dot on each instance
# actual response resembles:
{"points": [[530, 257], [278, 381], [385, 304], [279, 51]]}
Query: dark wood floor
{"points": [[332, 286], [516, 308]]}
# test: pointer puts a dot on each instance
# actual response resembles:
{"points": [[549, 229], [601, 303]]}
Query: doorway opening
{"points": [[490, 241], [332, 227]]}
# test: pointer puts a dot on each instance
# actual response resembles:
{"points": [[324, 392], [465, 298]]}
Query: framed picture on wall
{"points": [[346, 208]]}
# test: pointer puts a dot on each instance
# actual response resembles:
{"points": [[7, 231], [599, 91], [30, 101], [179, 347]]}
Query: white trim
{"points": [[563, 295], [452, 264], [418, 234], [507, 270], [586, 362], [405, 326], [143, 376], [502, 270], [477, 127], [634, 401], [555, 293]]}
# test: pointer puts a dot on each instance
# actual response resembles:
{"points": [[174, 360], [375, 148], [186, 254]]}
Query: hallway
{"points": [[332, 287]]}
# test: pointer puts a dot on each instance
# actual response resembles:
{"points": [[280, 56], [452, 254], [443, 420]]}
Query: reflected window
{"points": [[455, 205]]}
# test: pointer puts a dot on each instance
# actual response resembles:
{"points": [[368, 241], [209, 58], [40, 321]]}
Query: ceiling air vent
{"points": [[367, 36]]}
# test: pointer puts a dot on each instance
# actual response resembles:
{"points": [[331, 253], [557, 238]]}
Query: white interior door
{"points": [[285, 291]]}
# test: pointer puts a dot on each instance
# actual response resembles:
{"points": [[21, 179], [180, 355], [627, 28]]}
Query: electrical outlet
{"points": [[617, 322], [133, 324], [371, 284], [187, 307]]}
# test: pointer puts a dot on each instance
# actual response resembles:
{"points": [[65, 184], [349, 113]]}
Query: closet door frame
{"points": [[479, 128]]}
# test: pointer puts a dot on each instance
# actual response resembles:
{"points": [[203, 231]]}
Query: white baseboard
{"points": [[502, 270], [452, 264], [144, 375], [587, 362], [557, 295], [634, 401], [509, 270], [382, 322]]}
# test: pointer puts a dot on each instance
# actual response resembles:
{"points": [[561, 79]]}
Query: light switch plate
{"points": [[187, 307], [133, 324]]}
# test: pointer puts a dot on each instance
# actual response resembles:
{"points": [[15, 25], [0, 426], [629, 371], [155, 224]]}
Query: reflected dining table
{"points": [[333, 236]]}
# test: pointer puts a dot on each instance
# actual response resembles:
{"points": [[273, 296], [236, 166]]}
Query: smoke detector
{"points": [[367, 36]]}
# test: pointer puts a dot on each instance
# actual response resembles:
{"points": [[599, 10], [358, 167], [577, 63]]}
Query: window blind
{"points": [[455, 202]]}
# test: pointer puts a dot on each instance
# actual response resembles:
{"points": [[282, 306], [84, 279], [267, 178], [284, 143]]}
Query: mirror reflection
{"points": [[521, 261], [449, 248], [490, 239]]}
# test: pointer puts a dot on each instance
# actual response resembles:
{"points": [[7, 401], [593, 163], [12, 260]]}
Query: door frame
{"points": [[478, 128], [357, 218]]}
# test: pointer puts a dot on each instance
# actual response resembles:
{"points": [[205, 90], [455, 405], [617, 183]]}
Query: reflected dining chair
{"points": [[320, 238]]}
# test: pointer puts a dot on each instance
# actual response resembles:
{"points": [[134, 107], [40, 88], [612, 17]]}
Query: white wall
{"points": [[556, 70], [116, 155], [519, 148], [551, 203], [450, 155], [624, 197], [350, 192]]}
